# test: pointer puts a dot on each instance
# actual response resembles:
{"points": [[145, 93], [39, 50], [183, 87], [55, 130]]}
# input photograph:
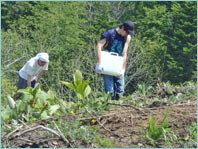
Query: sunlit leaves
{"points": [[81, 87]]}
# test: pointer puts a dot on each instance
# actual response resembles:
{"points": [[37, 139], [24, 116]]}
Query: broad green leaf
{"points": [[42, 98], [87, 91], [81, 88], [18, 103], [30, 89], [51, 94], [35, 90], [68, 84], [22, 106], [27, 98], [53, 109], [80, 96], [29, 108], [77, 77], [25, 91], [44, 115], [52, 101], [77, 84]]}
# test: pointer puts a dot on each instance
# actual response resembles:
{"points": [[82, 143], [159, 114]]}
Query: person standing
{"points": [[31, 72], [115, 40]]}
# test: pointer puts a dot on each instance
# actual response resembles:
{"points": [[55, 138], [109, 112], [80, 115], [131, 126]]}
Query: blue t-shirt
{"points": [[114, 41]]}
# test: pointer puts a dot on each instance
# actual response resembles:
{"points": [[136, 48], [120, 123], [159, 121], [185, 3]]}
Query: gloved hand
{"points": [[36, 84], [121, 73], [99, 68]]}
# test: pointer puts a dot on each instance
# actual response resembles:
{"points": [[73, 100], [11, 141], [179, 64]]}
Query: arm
{"points": [[29, 80], [124, 53], [39, 76], [99, 46]]}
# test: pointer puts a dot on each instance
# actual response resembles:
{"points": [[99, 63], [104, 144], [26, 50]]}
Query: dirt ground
{"points": [[123, 125]]}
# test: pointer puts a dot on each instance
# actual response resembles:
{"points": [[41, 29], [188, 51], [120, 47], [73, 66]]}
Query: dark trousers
{"points": [[22, 84]]}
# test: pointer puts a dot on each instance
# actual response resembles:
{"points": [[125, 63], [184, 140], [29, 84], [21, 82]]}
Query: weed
{"points": [[169, 136], [156, 132]]}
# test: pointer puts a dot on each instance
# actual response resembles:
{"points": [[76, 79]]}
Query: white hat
{"points": [[43, 57]]}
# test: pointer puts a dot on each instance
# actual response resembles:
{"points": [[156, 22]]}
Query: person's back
{"points": [[31, 72], [32, 68]]}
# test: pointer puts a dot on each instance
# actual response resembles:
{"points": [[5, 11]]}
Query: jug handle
{"points": [[113, 53]]}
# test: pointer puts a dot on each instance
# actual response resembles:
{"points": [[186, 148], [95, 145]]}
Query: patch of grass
{"points": [[188, 95], [104, 142], [74, 130], [193, 131], [169, 137]]}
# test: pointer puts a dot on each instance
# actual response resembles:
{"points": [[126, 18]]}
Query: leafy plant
{"points": [[35, 104], [155, 132], [33, 92], [81, 87]]}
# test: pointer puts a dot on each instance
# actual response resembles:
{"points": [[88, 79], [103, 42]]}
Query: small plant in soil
{"points": [[155, 132]]}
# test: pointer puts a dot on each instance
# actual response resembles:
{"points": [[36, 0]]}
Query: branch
{"points": [[126, 105], [34, 128], [13, 71], [8, 135], [8, 65], [61, 134]]}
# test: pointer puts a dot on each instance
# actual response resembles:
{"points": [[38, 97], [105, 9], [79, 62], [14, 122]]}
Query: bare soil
{"points": [[123, 125]]}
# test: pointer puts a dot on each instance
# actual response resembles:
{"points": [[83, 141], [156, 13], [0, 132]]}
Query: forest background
{"points": [[163, 48]]}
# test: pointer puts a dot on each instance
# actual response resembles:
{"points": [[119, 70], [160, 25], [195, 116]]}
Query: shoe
{"points": [[115, 97], [118, 96]]}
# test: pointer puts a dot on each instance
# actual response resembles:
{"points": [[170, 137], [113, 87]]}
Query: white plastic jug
{"points": [[112, 63]]}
